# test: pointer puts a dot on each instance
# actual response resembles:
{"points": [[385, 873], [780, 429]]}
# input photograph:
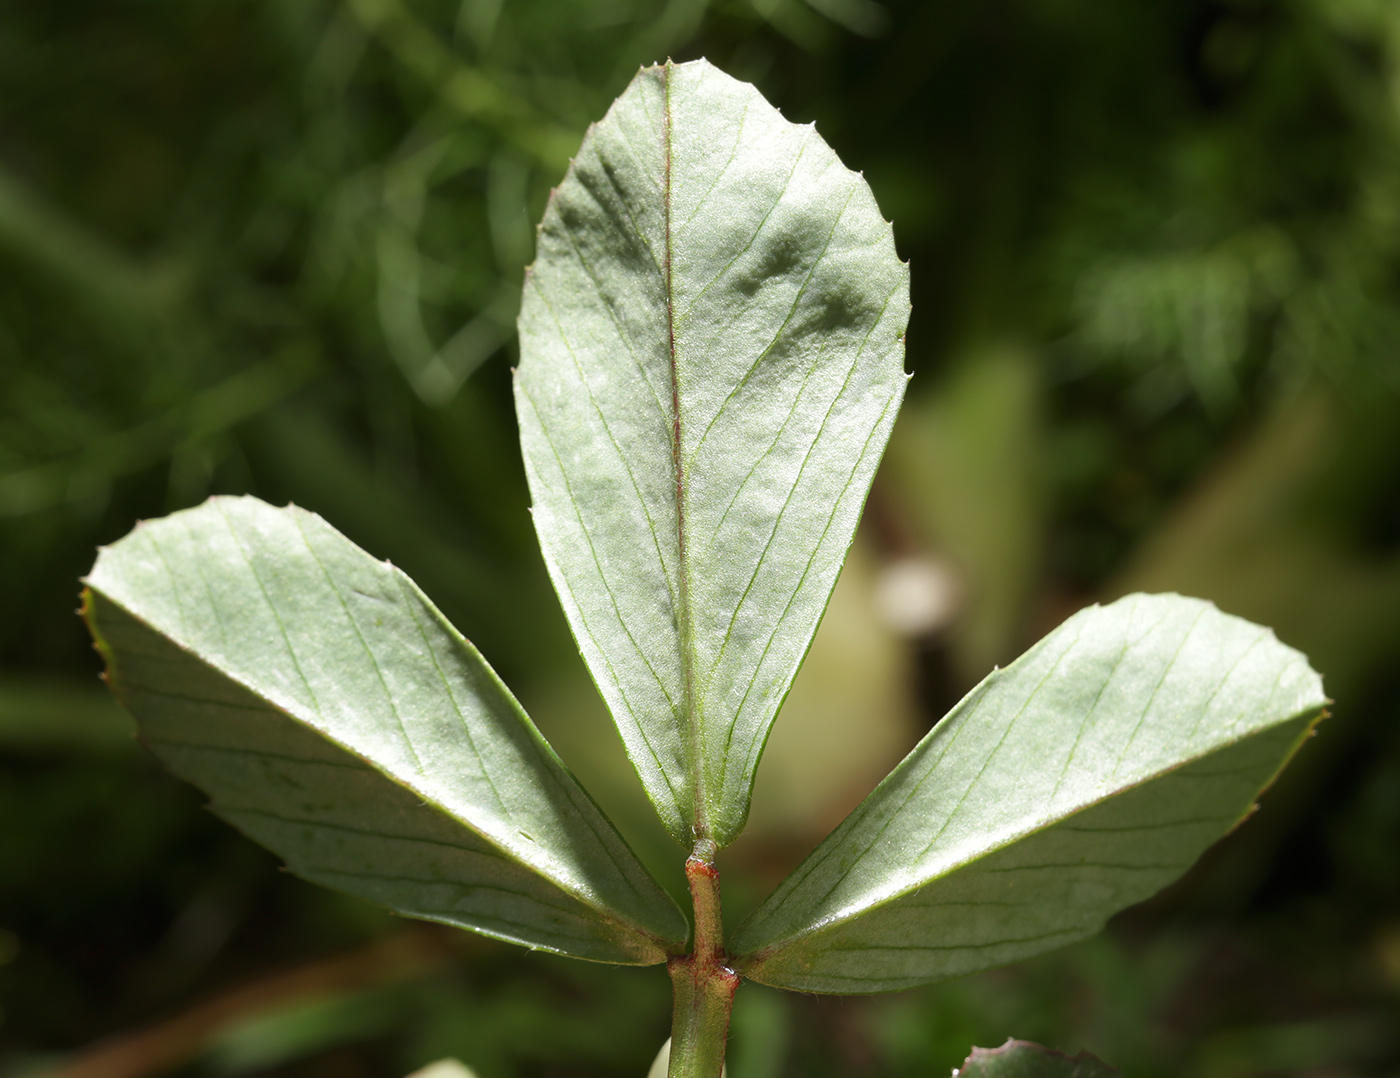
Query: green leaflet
{"points": [[1082, 778], [711, 360], [334, 715], [1022, 1059]]}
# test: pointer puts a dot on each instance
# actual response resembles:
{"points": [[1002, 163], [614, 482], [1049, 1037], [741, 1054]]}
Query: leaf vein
{"points": [[1166, 672], [567, 584], [802, 149], [369, 652], [272, 608], [778, 335], [733, 152]]}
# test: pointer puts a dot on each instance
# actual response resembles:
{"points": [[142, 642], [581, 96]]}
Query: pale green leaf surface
{"points": [[711, 360], [1080, 779], [1022, 1059], [333, 714]]}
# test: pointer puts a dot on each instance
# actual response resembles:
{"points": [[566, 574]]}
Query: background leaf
{"points": [[1082, 778], [333, 714], [444, 1068], [1022, 1059], [711, 362]]}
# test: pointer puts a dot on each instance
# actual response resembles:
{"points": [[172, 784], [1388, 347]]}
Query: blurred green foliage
{"points": [[248, 245]]}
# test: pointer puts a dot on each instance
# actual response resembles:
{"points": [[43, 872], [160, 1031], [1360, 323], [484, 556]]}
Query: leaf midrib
{"points": [[579, 890], [1040, 826], [699, 817]]}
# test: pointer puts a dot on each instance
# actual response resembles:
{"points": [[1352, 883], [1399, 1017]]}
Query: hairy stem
{"points": [[701, 982]]}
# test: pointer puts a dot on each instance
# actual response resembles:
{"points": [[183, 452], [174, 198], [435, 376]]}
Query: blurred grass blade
{"points": [[51, 714], [1022, 1059], [334, 715], [1082, 778], [711, 363]]}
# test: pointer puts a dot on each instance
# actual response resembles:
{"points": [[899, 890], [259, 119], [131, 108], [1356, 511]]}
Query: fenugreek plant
{"points": [[711, 362]]}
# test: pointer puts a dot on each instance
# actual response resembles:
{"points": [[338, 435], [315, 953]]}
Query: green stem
{"points": [[701, 983]]}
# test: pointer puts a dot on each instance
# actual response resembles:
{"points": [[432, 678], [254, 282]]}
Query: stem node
{"points": [[702, 983]]}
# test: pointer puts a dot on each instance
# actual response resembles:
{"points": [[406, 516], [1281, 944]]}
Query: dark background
{"points": [[276, 247]]}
